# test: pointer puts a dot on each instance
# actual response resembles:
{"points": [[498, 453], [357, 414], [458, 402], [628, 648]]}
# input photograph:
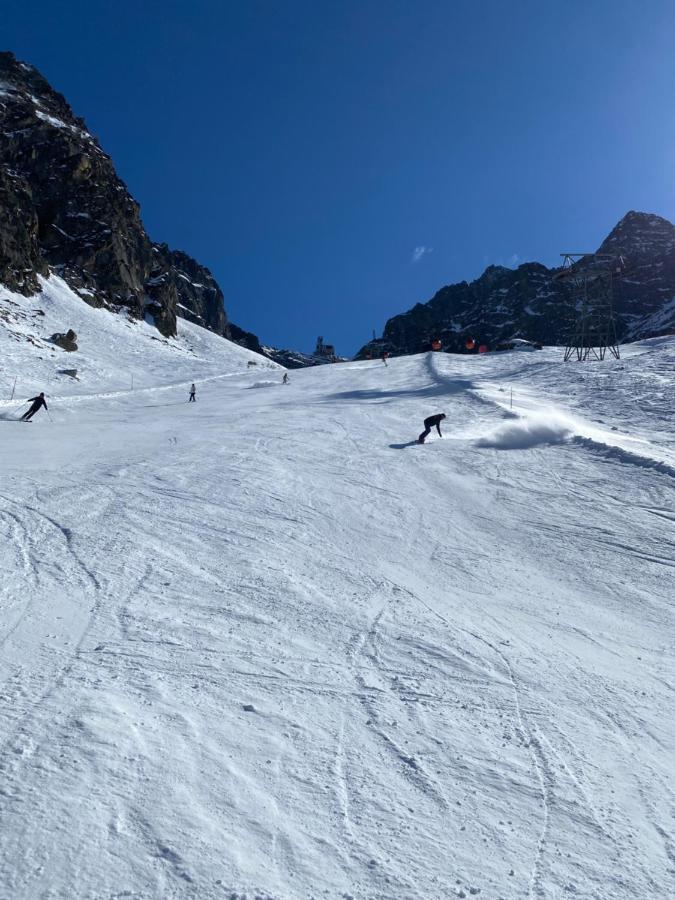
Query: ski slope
{"points": [[263, 646]]}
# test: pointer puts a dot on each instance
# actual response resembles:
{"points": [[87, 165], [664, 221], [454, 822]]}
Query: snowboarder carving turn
{"points": [[193, 391], [36, 402], [429, 423]]}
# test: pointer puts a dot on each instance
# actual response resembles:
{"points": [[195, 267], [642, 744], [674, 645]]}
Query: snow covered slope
{"points": [[266, 646], [112, 350]]}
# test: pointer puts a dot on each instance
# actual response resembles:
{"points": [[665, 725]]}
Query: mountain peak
{"points": [[638, 233], [20, 77], [635, 217]]}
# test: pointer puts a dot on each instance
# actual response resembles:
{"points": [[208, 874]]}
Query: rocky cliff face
{"points": [[63, 208], [528, 302], [644, 298]]}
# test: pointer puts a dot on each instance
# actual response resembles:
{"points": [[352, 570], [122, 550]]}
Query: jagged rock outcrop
{"points": [[85, 224], [179, 282], [63, 208], [245, 338], [528, 302], [644, 298], [20, 258]]}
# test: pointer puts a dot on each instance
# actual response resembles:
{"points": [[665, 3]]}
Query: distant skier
{"points": [[193, 391], [285, 381], [429, 423], [36, 402], [384, 356]]}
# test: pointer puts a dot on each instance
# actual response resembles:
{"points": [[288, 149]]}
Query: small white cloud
{"points": [[514, 261], [419, 252]]}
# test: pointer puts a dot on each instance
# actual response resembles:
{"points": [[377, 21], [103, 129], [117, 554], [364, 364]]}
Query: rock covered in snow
{"points": [[67, 341]]}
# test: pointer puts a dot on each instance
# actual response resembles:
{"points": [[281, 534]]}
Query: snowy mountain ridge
{"points": [[530, 302], [64, 209]]}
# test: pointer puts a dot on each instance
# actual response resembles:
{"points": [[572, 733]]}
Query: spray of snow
{"points": [[531, 431]]}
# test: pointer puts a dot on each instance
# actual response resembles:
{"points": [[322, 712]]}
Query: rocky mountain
{"points": [[64, 209], [529, 302], [289, 359]]}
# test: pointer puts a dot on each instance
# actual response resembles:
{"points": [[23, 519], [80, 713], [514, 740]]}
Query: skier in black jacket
{"points": [[429, 423], [37, 403]]}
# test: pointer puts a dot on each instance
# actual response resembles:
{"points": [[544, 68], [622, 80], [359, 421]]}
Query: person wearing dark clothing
{"points": [[193, 391], [285, 381], [429, 424], [36, 402]]}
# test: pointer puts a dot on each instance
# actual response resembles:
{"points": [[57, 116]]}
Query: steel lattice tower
{"points": [[589, 277]]}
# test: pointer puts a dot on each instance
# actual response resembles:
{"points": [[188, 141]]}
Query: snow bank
{"points": [[622, 454], [525, 432]]}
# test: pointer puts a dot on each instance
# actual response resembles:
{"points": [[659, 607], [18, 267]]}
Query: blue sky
{"points": [[333, 163]]}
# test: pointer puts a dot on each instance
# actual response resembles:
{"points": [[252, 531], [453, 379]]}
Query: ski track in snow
{"points": [[260, 649]]}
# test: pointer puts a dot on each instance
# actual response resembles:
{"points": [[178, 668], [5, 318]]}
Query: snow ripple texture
{"points": [[266, 646]]}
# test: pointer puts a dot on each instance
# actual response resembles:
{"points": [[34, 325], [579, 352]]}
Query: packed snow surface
{"points": [[264, 645]]}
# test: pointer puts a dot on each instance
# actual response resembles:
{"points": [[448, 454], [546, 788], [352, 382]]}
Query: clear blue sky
{"points": [[304, 150]]}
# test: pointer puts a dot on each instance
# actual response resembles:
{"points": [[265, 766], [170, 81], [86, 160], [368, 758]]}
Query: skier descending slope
{"points": [[37, 402], [193, 391], [429, 423]]}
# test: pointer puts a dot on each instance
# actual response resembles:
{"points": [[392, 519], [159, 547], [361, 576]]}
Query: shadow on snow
{"points": [[403, 446], [454, 386]]}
